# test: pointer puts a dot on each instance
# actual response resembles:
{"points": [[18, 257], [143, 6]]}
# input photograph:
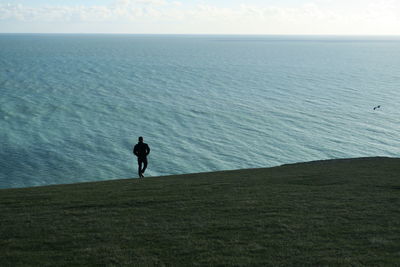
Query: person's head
{"points": [[140, 139]]}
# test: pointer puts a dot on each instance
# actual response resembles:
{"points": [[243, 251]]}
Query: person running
{"points": [[141, 150]]}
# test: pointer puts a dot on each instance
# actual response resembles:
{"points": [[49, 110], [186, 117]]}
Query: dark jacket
{"points": [[141, 150]]}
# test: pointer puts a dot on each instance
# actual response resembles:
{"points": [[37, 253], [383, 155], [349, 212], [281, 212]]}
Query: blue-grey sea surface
{"points": [[72, 106]]}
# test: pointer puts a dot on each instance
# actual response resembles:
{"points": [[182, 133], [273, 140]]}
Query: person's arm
{"points": [[147, 150], [135, 150]]}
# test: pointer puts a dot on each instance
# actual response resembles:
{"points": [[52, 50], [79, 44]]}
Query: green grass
{"points": [[326, 213]]}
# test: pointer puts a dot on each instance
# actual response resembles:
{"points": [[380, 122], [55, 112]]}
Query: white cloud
{"points": [[125, 3], [318, 17]]}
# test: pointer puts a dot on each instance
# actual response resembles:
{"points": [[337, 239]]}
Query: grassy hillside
{"points": [[339, 212]]}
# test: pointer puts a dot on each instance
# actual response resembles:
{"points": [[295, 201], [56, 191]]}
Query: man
{"points": [[141, 150]]}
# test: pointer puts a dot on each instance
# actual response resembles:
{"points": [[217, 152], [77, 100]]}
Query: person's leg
{"points": [[144, 165], [140, 167]]}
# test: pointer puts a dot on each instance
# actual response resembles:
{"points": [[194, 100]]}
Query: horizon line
{"points": [[226, 34]]}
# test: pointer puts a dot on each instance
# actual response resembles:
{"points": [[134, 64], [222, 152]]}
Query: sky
{"points": [[286, 17]]}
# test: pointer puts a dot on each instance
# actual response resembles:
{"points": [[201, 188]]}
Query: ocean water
{"points": [[72, 106]]}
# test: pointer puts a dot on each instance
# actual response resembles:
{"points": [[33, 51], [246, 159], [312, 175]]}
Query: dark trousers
{"points": [[142, 164]]}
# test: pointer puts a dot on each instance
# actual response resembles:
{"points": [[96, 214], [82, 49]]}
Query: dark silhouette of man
{"points": [[141, 150]]}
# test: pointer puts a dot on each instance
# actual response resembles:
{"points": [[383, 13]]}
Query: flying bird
{"points": [[377, 107]]}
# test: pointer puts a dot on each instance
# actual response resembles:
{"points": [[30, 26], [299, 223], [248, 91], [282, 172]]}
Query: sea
{"points": [[72, 106]]}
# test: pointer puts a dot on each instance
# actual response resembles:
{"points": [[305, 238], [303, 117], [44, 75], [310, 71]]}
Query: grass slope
{"points": [[338, 212]]}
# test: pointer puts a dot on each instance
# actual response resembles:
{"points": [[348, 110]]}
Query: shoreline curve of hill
{"points": [[333, 212]]}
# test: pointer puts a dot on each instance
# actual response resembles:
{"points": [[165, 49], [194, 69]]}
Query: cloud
{"points": [[125, 3], [119, 10], [318, 17]]}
